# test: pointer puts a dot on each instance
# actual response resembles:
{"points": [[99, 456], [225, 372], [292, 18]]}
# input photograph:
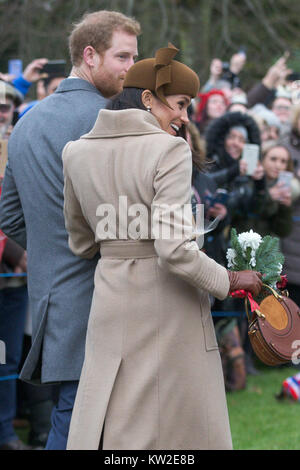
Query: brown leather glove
{"points": [[247, 280]]}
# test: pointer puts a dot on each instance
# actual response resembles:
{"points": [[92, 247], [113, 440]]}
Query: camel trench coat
{"points": [[152, 375]]}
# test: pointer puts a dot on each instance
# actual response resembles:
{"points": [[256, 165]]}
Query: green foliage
{"points": [[240, 261], [268, 258]]}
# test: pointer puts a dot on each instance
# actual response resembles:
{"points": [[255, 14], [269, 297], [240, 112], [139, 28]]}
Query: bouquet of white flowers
{"points": [[250, 251], [274, 326]]}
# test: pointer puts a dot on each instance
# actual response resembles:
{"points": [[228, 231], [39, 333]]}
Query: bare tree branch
{"points": [[225, 29], [164, 22], [258, 11]]}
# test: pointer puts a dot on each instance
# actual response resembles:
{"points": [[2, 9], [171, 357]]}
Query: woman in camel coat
{"points": [[152, 376]]}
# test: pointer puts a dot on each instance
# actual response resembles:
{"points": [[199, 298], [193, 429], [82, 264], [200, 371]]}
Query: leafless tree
{"points": [[202, 29]]}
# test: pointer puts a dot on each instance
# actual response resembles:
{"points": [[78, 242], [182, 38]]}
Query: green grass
{"points": [[258, 420]]}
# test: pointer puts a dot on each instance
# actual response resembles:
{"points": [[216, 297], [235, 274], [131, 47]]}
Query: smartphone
{"points": [[285, 177], [15, 67], [3, 156], [54, 67], [243, 50], [251, 156]]}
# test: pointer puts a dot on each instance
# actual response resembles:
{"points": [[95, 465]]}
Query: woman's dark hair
{"points": [[132, 98], [127, 99]]}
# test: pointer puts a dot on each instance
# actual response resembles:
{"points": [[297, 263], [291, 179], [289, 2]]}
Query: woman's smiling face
{"points": [[170, 120], [275, 161], [234, 143]]}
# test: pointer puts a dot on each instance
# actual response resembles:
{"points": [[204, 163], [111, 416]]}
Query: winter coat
{"points": [[10, 256], [204, 185], [269, 218], [60, 285], [152, 374]]}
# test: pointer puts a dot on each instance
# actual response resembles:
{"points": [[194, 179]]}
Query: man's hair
{"points": [[96, 30]]}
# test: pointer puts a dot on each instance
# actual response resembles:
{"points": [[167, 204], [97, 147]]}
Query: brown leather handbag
{"points": [[274, 329]]}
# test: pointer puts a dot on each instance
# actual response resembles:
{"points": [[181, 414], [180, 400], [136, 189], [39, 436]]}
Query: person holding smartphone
{"points": [[275, 216]]}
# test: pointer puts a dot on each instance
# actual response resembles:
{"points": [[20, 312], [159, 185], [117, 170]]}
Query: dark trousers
{"points": [[13, 306], [61, 416]]}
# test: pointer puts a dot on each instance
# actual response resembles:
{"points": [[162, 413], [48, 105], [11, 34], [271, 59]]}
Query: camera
{"points": [[54, 67]]}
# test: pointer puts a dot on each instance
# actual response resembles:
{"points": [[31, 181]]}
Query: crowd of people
{"points": [[227, 117], [46, 338]]}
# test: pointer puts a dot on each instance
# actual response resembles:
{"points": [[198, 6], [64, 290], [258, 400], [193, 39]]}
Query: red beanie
{"points": [[203, 102]]}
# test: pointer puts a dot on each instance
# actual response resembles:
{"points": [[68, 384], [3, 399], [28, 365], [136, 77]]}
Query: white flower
{"points": [[231, 255], [280, 268], [250, 239]]}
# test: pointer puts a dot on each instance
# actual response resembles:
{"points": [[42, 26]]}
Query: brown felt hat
{"points": [[163, 75]]}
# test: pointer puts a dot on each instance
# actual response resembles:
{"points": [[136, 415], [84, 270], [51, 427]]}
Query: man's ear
{"points": [[89, 56], [147, 98]]}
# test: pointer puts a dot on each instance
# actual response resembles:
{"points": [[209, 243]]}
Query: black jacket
{"points": [[214, 242]]}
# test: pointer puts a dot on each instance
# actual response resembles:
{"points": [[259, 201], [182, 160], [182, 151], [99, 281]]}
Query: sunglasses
{"points": [[5, 108]]}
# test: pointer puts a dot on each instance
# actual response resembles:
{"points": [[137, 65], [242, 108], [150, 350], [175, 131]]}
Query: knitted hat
{"points": [[163, 75], [241, 129], [291, 387], [266, 114], [240, 98], [282, 92], [11, 92]]}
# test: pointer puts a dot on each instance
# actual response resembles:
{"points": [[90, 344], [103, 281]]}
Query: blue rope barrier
{"points": [[9, 377], [13, 275], [227, 314]]}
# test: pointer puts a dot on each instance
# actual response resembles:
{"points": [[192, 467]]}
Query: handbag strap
{"points": [[276, 295]]}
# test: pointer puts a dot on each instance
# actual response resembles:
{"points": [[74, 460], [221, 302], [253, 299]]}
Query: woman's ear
{"points": [[147, 99]]}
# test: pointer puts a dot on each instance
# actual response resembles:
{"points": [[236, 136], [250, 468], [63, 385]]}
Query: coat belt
{"points": [[127, 249]]}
